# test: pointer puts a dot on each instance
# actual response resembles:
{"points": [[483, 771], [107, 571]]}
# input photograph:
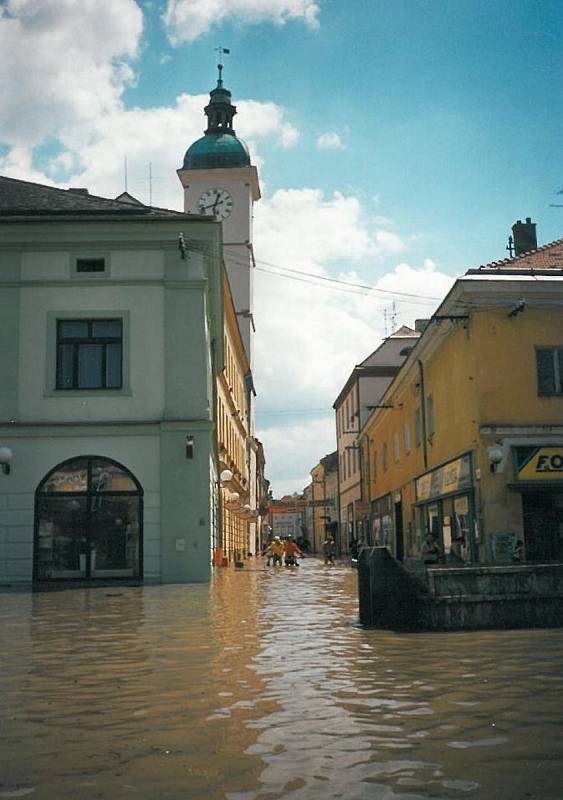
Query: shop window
{"points": [[407, 438], [549, 368], [89, 354], [88, 522]]}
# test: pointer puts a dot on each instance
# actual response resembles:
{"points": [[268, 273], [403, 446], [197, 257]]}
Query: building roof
{"points": [[330, 462], [24, 199], [548, 256], [217, 151], [220, 148], [381, 354], [125, 197]]}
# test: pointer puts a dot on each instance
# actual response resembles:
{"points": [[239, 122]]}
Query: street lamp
{"points": [[6, 457]]}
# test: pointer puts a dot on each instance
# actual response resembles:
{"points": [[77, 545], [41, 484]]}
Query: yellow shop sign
{"points": [[543, 464]]}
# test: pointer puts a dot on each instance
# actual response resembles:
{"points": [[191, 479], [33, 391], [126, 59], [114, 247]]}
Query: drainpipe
{"points": [[218, 533], [423, 413]]}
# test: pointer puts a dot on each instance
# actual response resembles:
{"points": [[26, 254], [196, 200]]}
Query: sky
{"points": [[397, 142]]}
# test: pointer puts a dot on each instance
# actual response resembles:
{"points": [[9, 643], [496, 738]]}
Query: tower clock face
{"points": [[215, 202]]}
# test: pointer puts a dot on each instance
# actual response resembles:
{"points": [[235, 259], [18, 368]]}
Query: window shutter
{"points": [[546, 372], [417, 428], [430, 429]]}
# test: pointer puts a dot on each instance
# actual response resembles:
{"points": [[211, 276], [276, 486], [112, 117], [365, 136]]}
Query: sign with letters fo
{"points": [[539, 464]]}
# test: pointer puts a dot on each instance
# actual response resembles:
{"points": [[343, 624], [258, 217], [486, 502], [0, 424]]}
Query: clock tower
{"points": [[220, 181]]}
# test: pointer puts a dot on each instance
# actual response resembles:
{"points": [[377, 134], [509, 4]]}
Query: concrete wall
{"points": [[467, 598]]}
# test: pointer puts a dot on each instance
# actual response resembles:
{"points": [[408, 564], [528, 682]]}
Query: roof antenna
{"points": [[125, 171], [222, 51]]}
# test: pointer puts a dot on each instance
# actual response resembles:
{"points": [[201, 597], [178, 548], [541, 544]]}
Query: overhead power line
{"points": [[335, 283]]}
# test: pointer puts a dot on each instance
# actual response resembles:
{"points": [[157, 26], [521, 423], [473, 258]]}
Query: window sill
{"points": [[124, 392]]}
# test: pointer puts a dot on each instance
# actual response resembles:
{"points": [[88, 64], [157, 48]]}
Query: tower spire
{"points": [[222, 51], [220, 111]]}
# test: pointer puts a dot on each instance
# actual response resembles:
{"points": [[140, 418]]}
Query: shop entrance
{"points": [[543, 525], [88, 522], [450, 521]]}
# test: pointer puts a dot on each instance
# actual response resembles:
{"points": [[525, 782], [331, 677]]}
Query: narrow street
{"points": [[262, 686]]}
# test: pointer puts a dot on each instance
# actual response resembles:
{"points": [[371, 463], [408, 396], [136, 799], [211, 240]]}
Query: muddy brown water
{"points": [[263, 686]]}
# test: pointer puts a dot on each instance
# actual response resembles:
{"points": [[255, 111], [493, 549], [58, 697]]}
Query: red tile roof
{"points": [[548, 256]]}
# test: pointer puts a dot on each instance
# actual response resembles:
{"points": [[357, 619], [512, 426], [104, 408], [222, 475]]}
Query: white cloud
{"points": [[63, 62], [296, 447], [309, 337], [93, 150], [384, 222], [188, 19], [330, 141]]}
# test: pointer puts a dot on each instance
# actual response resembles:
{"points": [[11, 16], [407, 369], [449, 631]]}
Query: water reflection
{"points": [[262, 686]]}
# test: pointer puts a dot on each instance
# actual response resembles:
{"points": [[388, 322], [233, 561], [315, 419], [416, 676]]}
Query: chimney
{"points": [[77, 190], [420, 325], [525, 238]]}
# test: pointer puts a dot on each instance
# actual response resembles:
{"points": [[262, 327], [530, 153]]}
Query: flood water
{"points": [[262, 686]]}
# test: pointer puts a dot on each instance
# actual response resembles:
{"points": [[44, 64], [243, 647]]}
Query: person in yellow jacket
{"points": [[275, 550]]}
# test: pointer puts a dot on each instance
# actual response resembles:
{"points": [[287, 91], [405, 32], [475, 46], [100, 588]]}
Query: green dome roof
{"points": [[215, 151]]}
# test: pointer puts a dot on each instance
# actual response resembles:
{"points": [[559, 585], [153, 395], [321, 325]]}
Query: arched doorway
{"points": [[88, 522]]}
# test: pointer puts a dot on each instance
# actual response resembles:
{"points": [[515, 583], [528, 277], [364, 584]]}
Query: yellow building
{"points": [[470, 443], [324, 500], [234, 395], [361, 392]]}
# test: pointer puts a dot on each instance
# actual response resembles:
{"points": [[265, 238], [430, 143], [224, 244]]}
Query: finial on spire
{"points": [[222, 51]]}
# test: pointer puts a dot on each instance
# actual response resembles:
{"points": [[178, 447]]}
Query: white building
{"points": [[110, 341]]}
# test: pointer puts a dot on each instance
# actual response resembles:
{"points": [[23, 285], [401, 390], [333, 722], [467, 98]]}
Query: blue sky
{"points": [[441, 124], [450, 111]]}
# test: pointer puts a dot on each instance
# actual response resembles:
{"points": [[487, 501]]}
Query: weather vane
{"points": [[222, 51]]}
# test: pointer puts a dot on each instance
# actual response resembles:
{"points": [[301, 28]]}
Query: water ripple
{"points": [[264, 686]]}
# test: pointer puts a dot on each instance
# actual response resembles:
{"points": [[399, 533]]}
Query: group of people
{"points": [[287, 551]]}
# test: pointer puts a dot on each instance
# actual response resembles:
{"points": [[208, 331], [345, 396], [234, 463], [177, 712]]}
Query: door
{"points": [[543, 525]]}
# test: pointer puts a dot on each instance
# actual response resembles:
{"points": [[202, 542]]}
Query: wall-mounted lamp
{"points": [[6, 457], [518, 308], [495, 455], [189, 447]]}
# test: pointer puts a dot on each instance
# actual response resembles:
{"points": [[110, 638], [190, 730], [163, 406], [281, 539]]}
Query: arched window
{"points": [[88, 522]]}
